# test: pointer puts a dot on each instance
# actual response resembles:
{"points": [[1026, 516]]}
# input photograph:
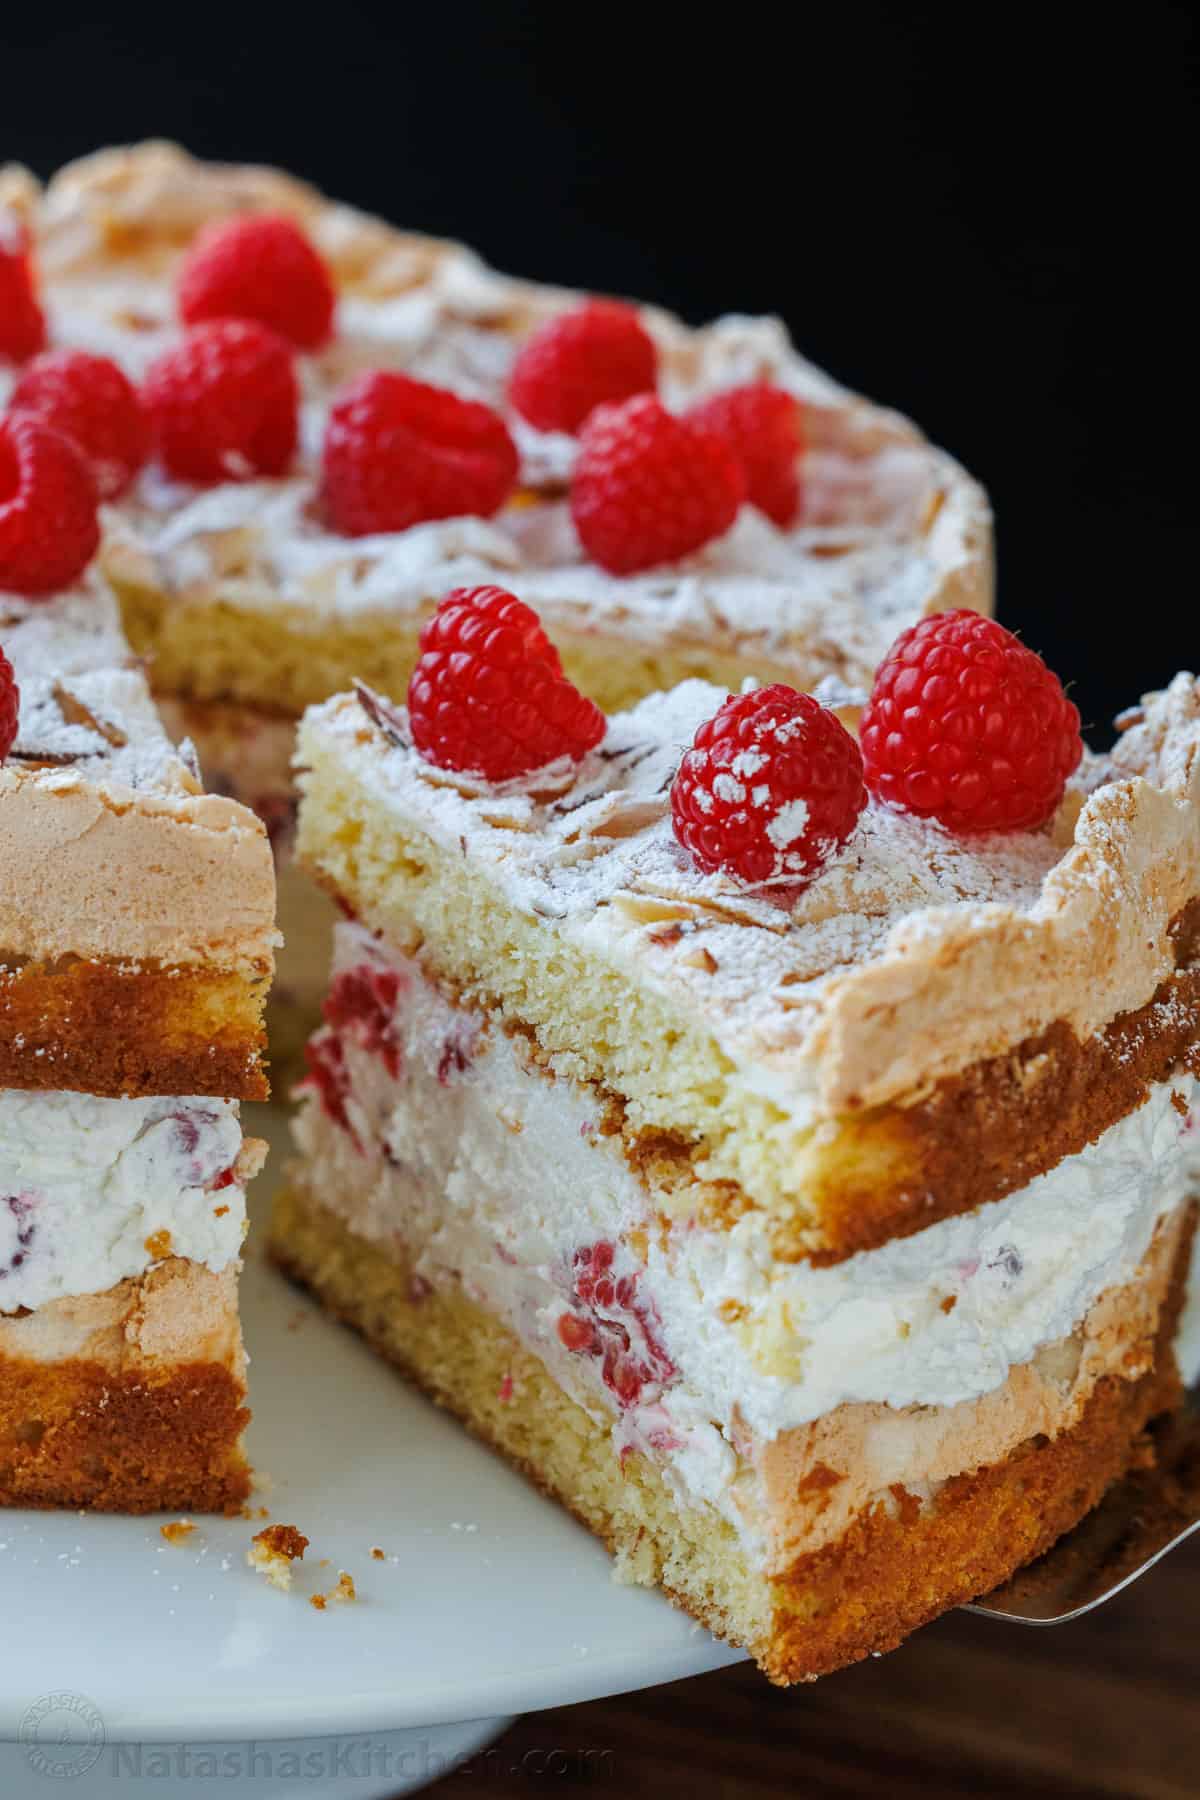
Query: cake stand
{"points": [[134, 1663]]}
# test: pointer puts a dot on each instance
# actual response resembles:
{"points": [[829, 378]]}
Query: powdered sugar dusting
{"points": [[85, 708], [832, 593], [599, 862], [789, 822]]}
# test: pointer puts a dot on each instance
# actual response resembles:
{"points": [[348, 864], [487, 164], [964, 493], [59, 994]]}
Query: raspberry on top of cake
{"points": [[932, 1018], [343, 420]]}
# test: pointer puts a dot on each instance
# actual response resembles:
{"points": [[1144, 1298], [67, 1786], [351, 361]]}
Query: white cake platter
{"points": [[488, 1600]]}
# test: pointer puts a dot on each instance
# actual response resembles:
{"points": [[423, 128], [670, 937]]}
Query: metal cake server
{"points": [[1135, 1525]]}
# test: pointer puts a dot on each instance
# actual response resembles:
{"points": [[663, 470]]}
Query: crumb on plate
{"points": [[344, 1591], [273, 1551]]}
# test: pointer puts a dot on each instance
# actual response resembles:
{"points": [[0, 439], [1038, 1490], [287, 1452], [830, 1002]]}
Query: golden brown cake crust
{"points": [[121, 1030], [894, 1569], [130, 1400], [986, 1133], [72, 1434]]}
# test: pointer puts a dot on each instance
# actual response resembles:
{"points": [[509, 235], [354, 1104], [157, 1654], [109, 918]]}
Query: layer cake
{"points": [[137, 933], [822, 1251]]}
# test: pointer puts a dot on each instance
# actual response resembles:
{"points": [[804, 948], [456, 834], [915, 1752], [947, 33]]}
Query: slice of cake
{"points": [[262, 567], [137, 925], [796, 1187]]}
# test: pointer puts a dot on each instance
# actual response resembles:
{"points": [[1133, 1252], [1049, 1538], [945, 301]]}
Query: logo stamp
{"points": [[63, 1735]]}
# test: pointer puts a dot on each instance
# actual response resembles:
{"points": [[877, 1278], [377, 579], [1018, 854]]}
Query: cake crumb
{"points": [[344, 1592], [256, 1512], [219, 1212], [158, 1244], [1179, 1103], [378, 1554], [178, 1531], [273, 1550], [949, 1303]]}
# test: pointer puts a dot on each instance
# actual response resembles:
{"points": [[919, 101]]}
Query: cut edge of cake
{"points": [[846, 1097]]}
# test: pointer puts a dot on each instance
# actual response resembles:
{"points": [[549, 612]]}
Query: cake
{"points": [[250, 605], [819, 1241], [137, 925]]}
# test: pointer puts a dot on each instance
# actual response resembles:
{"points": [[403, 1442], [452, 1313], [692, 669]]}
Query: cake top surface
{"points": [[109, 845], [912, 954], [887, 519], [86, 712]]}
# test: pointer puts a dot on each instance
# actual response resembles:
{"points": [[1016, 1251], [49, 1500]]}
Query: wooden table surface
{"points": [[1109, 1705]]}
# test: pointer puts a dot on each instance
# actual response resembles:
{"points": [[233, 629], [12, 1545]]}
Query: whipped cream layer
{"points": [[428, 1126], [1187, 1344], [93, 1190]]}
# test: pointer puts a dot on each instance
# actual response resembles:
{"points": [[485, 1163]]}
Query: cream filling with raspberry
{"points": [[426, 1126], [93, 1191]]}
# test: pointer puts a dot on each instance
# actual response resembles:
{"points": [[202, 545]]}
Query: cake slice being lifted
{"points": [[137, 933], [818, 1242]]}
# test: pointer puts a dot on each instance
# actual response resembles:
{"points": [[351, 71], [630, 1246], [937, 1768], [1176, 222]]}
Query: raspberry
{"points": [[261, 268], [91, 401], [22, 325], [600, 352], [770, 790], [967, 726], [650, 488], [10, 706], [364, 999], [630, 1348], [488, 696], [222, 403], [762, 426], [398, 451], [49, 530]]}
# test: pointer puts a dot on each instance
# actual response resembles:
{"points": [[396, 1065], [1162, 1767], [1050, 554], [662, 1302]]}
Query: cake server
{"points": [[1137, 1523]]}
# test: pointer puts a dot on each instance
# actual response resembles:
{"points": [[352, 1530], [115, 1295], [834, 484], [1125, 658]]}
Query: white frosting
{"points": [[1187, 1343], [497, 1175], [86, 1182]]}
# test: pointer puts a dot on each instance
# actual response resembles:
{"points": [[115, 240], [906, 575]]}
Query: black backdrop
{"points": [[984, 216]]}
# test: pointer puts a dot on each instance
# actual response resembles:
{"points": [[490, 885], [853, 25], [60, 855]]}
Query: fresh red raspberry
{"points": [[10, 706], [648, 487], [398, 451], [488, 696], [967, 726], [599, 353], [223, 403], [91, 401], [262, 268], [762, 426], [22, 324], [49, 530], [770, 790]]}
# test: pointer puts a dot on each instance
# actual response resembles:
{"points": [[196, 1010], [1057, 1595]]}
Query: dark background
{"points": [[985, 217]]}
